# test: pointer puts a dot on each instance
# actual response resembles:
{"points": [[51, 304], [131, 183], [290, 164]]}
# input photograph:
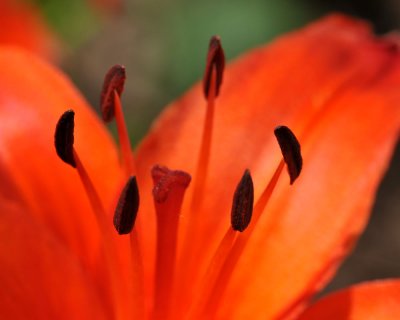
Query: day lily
{"points": [[334, 84]]}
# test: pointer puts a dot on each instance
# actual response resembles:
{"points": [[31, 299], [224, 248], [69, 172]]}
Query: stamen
{"points": [[212, 81], [113, 81], [124, 221], [290, 148], [64, 143], [229, 264], [123, 136], [111, 107], [64, 138], [215, 61], [292, 156], [242, 207], [211, 275], [168, 192], [105, 230], [138, 302], [127, 207]]}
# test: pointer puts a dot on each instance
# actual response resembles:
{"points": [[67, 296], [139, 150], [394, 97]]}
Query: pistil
{"points": [[168, 192]]}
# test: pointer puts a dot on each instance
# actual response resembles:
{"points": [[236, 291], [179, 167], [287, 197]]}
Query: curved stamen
{"points": [[123, 136], [291, 152], [212, 81], [110, 104], [114, 80], [215, 61], [242, 207], [290, 149], [127, 207], [124, 220], [232, 257], [64, 140], [64, 137]]}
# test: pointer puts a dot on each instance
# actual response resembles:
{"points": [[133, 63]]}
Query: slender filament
{"points": [[123, 136], [233, 256]]}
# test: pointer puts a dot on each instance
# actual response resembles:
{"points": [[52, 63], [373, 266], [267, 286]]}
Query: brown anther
{"points": [[291, 152], [242, 205], [127, 207], [215, 59], [113, 81], [64, 138], [165, 180]]}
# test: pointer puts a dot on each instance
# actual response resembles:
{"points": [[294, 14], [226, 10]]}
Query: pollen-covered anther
{"points": [[165, 180], [127, 207], [113, 82], [291, 151], [64, 137], [242, 205], [215, 60]]}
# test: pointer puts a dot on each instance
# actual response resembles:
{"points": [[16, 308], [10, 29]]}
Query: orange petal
{"points": [[22, 25], [32, 97], [377, 300], [41, 278], [335, 85]]}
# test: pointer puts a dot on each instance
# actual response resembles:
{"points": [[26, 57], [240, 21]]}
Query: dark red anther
{"points": [[242, 205], [215, 60], [113, 81], [291, 151], [127, 207], [165, 180], [64, 137]]}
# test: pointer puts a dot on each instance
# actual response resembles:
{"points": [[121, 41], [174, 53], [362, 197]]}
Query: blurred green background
{"points": [[163, 45]]}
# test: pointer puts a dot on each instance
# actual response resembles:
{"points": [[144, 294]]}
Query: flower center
{"points": [[173, 292]]}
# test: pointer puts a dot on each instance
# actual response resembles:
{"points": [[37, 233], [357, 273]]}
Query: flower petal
{"points": [[32, 98], [334, 84], [371, 300], [40, 278]]}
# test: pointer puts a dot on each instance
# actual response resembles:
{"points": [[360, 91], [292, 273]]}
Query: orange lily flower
{"points": [[22, 25], [333, 83]]}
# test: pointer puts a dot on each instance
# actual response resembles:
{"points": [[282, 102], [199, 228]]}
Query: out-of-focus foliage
{"points": [[163, 45], [74, 20], [241, 25]]}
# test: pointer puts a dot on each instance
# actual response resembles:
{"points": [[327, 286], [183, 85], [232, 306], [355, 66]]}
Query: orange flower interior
{"points": [[181, 258], [168, 193]]}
